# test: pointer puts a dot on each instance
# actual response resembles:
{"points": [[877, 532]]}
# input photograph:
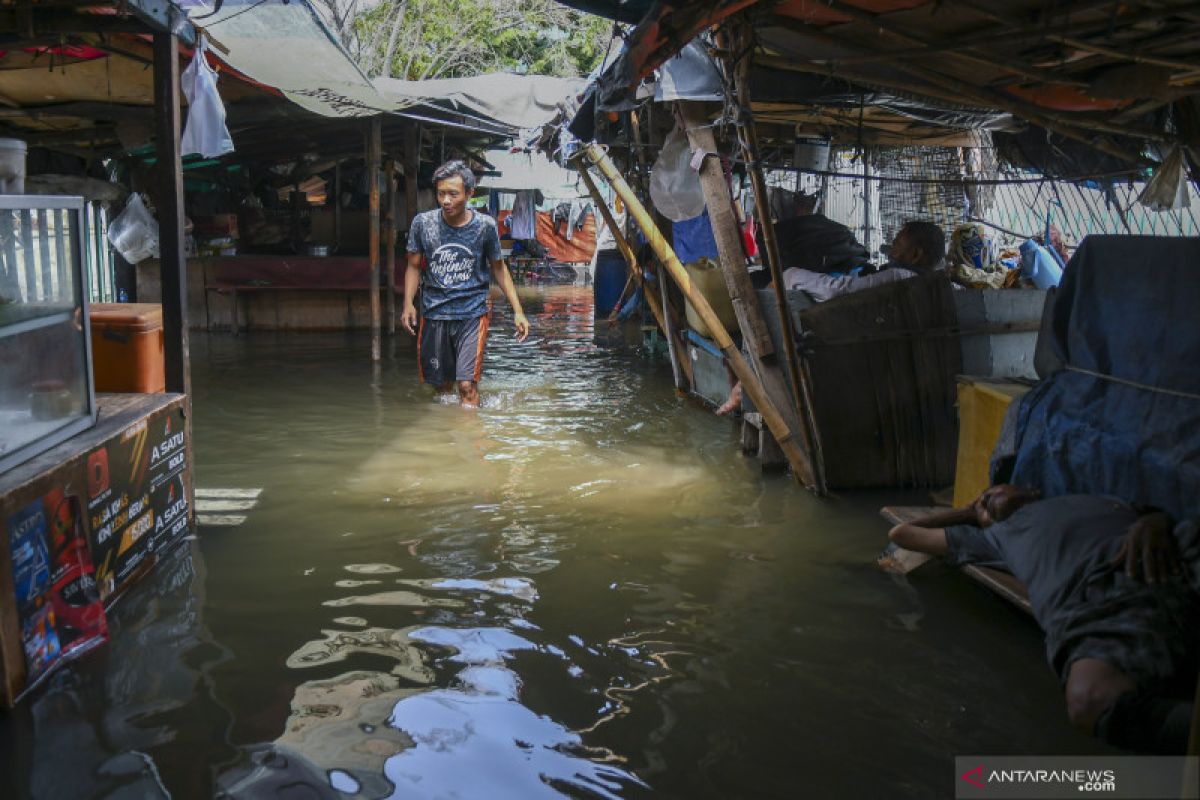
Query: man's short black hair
{"points": [[454, 169], [927, 236]]}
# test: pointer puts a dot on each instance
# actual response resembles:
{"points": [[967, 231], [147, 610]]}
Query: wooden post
{"points": [[374, 146], [726, 232], [389, 243], [680, 366], [748, 136], [412, 166], [172, 261], [337, 206], [741, 368], [755, 335]]}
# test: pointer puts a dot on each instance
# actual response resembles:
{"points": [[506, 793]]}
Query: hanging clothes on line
{"points": [[578, 217], [523, 222]]}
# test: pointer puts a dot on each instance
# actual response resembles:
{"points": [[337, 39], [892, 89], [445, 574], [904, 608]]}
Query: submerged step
{"points": [[207, 504], [220, 520], [222, 494]]}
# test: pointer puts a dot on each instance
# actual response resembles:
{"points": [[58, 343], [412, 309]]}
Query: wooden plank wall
{"points": [[883, 366]]}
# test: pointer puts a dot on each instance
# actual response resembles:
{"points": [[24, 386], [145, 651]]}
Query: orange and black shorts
{"points": [[451, 349]]}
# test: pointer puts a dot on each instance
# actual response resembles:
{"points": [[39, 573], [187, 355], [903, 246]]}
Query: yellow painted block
{"points": [[981, 409]]}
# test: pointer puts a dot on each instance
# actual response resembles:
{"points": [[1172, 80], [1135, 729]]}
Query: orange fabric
{"points": [[483, 334], [578, 249], [1065, 98], [581, 245]]}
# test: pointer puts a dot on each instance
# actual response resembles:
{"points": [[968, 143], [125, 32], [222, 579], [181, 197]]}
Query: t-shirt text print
{"points": [[458, 262]]}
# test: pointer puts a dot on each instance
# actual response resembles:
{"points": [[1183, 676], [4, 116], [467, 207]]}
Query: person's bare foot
{"points": [[732, 403]]}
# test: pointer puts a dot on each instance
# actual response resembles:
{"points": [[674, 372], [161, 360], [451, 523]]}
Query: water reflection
{"points": [[108, 725], [512, 752]]}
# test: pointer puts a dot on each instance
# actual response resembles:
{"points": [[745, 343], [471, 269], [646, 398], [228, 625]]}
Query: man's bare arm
{"points": [[412, 281], [505, 282]]}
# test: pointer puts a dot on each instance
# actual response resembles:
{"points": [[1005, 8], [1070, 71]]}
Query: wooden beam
{"points": [[375, 132], [741, 39], [412, 167], [987, 97], [755, 336], [389, 242], [726, 231], [1009, 65], [172, 260], [753, 388]]}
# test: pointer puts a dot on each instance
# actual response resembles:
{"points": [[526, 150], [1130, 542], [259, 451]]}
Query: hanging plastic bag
{"points": [[205, 132], [1167, 189], [674, 185], [133, 232]]}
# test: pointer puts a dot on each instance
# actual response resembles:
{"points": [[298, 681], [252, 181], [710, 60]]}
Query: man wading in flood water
{"points": [[458, 248]]}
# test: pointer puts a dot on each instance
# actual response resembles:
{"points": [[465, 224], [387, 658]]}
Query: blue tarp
{"points": [[693, 239], [1123, 416]]}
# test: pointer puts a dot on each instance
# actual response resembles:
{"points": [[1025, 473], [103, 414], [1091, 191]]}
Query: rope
{"points": [[1134, 384]]}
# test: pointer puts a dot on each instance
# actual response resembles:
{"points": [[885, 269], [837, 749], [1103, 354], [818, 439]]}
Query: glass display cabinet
{"points": [[46, 389]]}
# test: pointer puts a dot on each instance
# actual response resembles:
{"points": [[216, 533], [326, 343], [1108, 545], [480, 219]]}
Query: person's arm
{"points": [[505, 282], [412, 281], [911, 536], [824, 287], [1151, 543], [951, 516]]}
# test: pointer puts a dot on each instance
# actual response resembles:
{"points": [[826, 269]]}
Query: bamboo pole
{"points": [[680, 367], [801, 469]]}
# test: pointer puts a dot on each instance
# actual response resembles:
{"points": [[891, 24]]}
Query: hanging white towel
{"points": [[205, 132]]}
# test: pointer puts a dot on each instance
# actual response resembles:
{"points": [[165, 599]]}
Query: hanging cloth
{"points": [[205, 132], [523, 222]]}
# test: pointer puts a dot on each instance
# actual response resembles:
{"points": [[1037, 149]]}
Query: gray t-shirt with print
{"points": [[457, 271]]}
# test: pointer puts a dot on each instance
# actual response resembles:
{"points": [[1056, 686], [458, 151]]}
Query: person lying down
{"points": [[1116, 591]]}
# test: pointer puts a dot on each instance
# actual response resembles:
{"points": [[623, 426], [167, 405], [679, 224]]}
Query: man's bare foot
{"points": [[732, 403]]}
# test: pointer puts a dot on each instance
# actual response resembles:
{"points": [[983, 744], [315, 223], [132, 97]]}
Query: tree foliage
{"points": [[419, 39]]}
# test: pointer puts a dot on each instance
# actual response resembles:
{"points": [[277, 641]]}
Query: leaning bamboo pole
{"points": [[658, 307], [801, 469]]}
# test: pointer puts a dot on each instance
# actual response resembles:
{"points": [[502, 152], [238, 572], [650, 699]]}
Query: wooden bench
{"points": [[236, 275], [1001, 582]]}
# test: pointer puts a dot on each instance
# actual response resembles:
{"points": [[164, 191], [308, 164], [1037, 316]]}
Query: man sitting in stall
{"points": [[919, 247], [1116, 591]]}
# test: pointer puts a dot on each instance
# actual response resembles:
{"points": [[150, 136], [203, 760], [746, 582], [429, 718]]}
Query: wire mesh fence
{"points": [[874, 192]]}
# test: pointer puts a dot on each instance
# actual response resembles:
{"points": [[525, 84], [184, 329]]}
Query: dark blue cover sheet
{"points": [[1123, 416]]}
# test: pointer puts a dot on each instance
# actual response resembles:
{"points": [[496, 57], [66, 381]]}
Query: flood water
{"points": [[582, 589]]}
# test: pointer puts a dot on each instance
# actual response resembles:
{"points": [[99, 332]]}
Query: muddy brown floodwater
{"points": [[583, 589]]}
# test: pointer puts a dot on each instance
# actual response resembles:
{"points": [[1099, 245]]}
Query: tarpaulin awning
{"points": [[524, 172], [522, 101], [284, 45]]}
